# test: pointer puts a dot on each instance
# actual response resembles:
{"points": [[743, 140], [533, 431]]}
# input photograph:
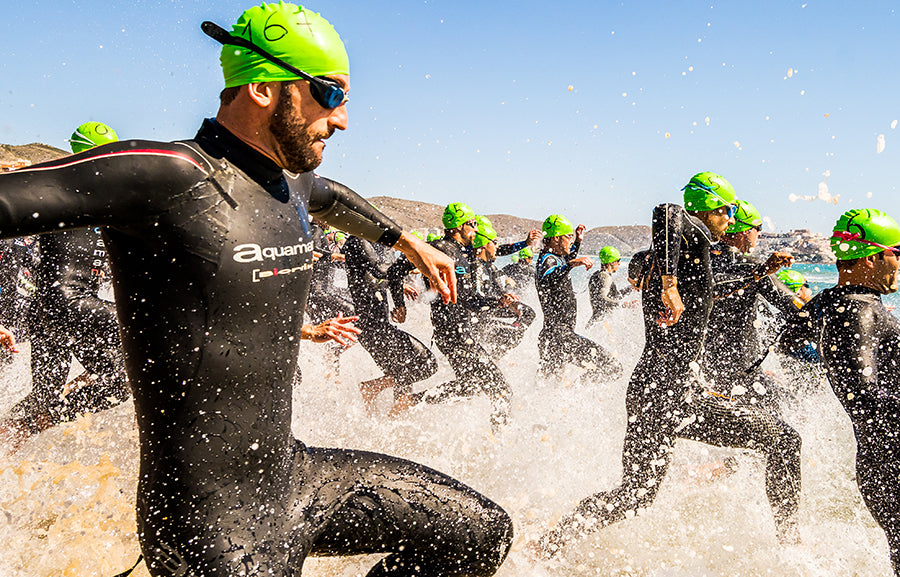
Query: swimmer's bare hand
{"points": [[671, 299], [337, 257], [507, 300], [410, 292], [339, 329], [579, 232], [316, 255], [534, 235], [8, 340], [398, 315], [584, 261], [776, 261], [437, 267]]}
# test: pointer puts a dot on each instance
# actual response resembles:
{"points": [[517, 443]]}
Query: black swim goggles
{"points": [[325, 92]]}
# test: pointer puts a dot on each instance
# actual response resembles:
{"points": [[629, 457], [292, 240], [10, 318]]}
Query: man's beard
{"points": [[294, 141]]}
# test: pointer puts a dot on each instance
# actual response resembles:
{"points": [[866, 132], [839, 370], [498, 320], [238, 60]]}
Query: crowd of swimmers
{"points": [[213, 244]]}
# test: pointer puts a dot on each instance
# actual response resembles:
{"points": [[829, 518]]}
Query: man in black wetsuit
{"points": [[325, 299], [210, 251], [454, 323], [558, 343], [521, 272], [403, 358], [732, 351], [70, 319], [501, 329], [662, 401], [859, 342], [605, 295]]}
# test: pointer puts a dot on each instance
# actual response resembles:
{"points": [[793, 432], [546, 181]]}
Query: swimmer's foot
{"points": [[371, 389], [402, 403]]}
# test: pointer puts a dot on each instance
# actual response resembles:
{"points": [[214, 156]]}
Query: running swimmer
{"points": [[859, 342], [521, 270], [662, 401], [404, 359], [71, 320], [455, 323], [221, 221], [732, 348], [796, 283], [605, 296], [501, 329], [558, 344]]}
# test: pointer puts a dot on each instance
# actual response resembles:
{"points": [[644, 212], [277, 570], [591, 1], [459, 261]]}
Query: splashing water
{"points": [[68, 495]]}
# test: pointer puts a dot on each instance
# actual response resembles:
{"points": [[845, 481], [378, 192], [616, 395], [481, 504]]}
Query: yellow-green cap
{"points": [[298, 36]]}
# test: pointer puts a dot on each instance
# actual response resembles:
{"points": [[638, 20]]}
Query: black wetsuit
{"points": [[521, 273], [211, 256], [326, 300], [639, 266], [733, 348], [500, 329], [664, 403], [70, 319], [605, 296], [455, 336], [859, 341], [558, 343], [398, 354], [15, 260]]}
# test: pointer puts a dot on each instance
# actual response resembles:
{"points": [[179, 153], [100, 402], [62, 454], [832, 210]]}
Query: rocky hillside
{"points": [[27, 154]]}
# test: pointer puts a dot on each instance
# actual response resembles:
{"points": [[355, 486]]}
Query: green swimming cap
{"points": [[91, 134], [557, 225], [863, 232], [485, 232], [526, 253], [514, 258], [792, 279], [745, 218], [456, 214], [418, 235], [432, 236], [298, 36], [708, 191], [609, 254]]}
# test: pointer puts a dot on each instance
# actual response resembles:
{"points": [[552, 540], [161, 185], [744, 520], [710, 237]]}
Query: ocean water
{"points": [[67, 496]]}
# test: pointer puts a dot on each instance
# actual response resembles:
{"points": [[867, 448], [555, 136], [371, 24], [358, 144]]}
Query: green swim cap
{"points": [[418, 234], [91, 134], [526, 253], [708, 191], [485, 232], [456, 214], [514, 258], [863, 232], [557, 225], [745, 218], [298, 36], [609, 254], [432, 236], [792, 279]]}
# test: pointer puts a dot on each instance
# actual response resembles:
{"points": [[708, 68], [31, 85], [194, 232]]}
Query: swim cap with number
{"points": [[557, 225], [863, 232], [609, 254], [298, 36], [456, 214], [485, 232], [708, 191], [745, 218], [91, 134]]}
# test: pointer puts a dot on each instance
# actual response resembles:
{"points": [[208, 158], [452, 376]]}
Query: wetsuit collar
{"points": [[218, 141]]}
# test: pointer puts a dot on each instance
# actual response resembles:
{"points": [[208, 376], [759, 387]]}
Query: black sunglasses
{"points": [[326, 92]]}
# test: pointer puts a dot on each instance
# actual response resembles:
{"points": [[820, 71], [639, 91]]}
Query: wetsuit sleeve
{"points": [[505, 249], [105, 186], [603, 287], [573, 250], [337, 205], [395, 275], [800, 337], [779, 295], [368, 260], [666, 232]]}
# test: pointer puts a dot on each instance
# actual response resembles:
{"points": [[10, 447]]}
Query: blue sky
{"points": [[597, 110]]}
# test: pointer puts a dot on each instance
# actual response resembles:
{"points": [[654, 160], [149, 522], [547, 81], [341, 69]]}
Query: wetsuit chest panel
{"points": [[555, 292]]}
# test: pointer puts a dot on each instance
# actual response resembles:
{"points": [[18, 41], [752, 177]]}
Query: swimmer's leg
{"points": [[877, 474], [357, 502]]}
